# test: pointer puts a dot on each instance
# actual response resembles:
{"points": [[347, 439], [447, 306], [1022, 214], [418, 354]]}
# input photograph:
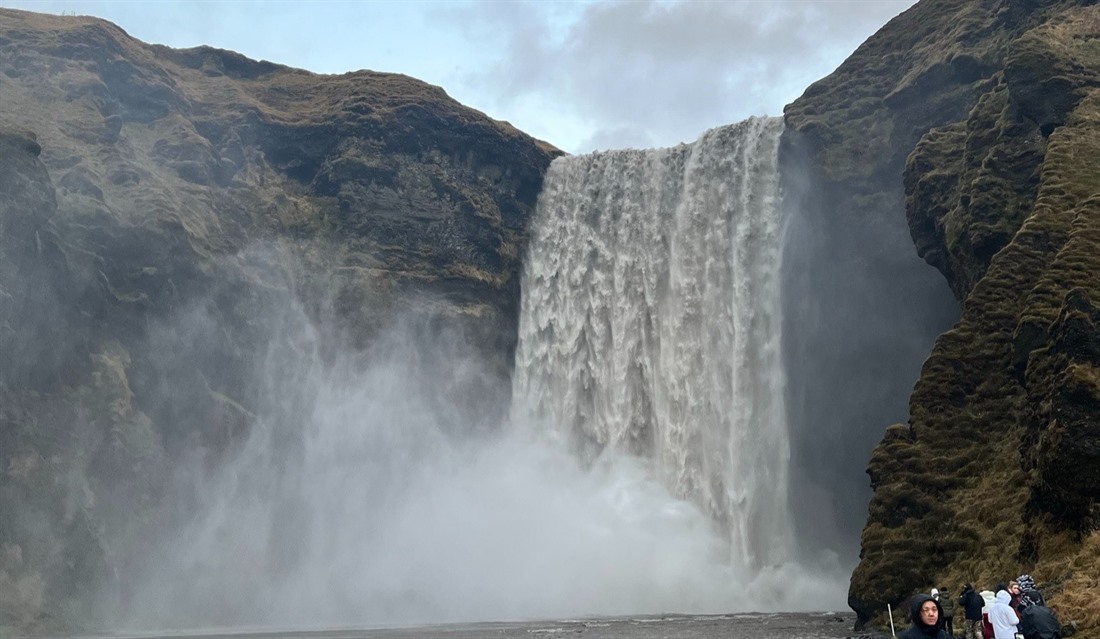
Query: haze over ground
{"points": [[581, 75]]}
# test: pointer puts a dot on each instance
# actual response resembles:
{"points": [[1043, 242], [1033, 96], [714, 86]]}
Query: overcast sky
{"points": [[581, 75]]}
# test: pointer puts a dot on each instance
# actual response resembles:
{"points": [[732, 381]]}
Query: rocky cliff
{"points": [[984, 118], [160, 210]]}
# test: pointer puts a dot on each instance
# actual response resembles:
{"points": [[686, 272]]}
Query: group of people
{"points": [[1008, 612]]}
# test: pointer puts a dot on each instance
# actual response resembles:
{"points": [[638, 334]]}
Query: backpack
{"points": [[947, 604]]}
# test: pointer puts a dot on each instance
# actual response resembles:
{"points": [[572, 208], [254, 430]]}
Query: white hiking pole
{"points": [[891, 612]]}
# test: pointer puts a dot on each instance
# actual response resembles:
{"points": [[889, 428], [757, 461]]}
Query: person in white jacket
{"points": [[1002, 617]]}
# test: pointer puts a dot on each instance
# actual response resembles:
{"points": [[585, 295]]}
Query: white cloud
{"points": [[652, 72]]}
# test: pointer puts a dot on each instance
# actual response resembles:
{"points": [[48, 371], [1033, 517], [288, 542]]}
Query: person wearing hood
{"points": [[927, 619], [1036, 620], [973, 603], [1002, 617], [1026, 582]]}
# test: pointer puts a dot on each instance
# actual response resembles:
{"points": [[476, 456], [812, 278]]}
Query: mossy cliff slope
{"points": [[161, 212], [996, 106]]}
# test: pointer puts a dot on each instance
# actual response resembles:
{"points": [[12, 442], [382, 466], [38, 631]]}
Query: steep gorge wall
{"points": [[994, 105], [162, 212]]}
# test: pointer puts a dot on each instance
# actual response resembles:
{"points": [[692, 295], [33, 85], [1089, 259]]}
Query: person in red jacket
{"points": [[1015, 594]]}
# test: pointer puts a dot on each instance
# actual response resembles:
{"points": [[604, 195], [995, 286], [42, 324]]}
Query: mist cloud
{"points": [[369, 494]]}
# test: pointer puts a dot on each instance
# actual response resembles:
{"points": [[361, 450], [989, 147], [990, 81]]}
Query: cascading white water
{"points": [[650, 322]]}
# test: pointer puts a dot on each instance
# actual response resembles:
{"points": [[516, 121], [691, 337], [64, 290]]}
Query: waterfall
{"points": [[650, 323]]}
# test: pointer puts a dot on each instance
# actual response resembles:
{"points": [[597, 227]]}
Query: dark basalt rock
{"points": [[995, 474], [158, 208]]}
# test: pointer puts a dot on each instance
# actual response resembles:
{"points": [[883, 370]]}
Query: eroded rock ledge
{"points": [[996, 106]]}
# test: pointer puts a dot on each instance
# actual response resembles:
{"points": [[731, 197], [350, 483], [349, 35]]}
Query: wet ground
{"points": [[747, 626]]}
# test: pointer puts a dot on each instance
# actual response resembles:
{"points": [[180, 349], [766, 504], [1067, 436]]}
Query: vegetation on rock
{"points": [[996, 473], [160, 209]]}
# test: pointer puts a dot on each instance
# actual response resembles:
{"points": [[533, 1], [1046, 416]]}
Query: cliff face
{"points": [[995, 105], [142, 185]]}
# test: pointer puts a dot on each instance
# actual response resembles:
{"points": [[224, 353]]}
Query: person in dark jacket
{"points": [[927, 619], [973, 603], [1036, 620], [948, 608]]}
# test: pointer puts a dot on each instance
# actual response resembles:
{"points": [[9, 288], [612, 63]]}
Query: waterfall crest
{"points": [[650, 323]]}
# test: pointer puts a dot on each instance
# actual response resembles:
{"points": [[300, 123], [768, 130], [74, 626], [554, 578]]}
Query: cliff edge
{"points": [[985, 115]]}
